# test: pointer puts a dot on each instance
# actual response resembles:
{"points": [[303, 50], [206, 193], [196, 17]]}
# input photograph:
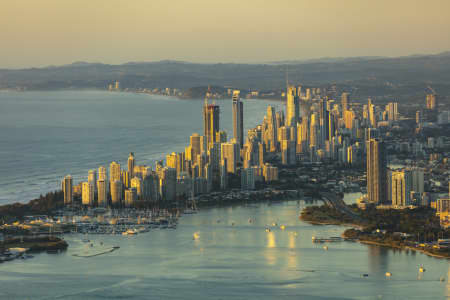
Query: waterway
{"points": [[227, 262]]}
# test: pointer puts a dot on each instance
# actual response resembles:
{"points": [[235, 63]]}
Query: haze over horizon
{"points": [[51, 32]]}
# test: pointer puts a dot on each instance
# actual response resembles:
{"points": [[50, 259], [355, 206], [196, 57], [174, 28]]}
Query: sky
{"points": [[36, 33]]}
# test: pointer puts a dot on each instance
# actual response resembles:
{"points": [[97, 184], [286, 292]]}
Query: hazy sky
{"points": [[54, 32]]}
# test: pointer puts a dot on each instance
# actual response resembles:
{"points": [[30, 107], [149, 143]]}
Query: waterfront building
{"points": [[116, 193], [401, 188], [223, 174], [376, 171], [102, 193], [114, 171], [67, 184], [197, 146], [238, 118], [176, 161], [248, 179], [125, 178], [138, 185], [230, 152], [130, 197], [168, 183], [292, 107], [211, 121], [130, 164], [87, 194], [92, 178], [102, 175], [270, 173]]}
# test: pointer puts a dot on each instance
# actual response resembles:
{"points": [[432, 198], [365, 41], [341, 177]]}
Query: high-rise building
{"points": [[87, 194], [238, 118], [248, 179], [392, 111], [130, 197], [114, 172], [102, 193], [349, 116], [92, 178], [131, 165], [376, 171], [230, 153], [168, 183], [116, 193], [345, 99], [67, 185], [197, 146], [211, 121], [102, 175], [401, 188], [270, 135], [292, 107], [431, 101], [136, 183]]}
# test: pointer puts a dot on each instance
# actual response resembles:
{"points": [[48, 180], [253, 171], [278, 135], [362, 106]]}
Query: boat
{"points": [[116, 247], [130, 232], [267, 229], [365, 275]]}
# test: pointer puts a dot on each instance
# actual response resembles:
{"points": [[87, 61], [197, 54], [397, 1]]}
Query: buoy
{"points": [[282, 227], [267, 229], [388, 274], [325, 247]]}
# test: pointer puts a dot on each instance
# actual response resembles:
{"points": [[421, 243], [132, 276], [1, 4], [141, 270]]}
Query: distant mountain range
{"points": [[395, 73]]}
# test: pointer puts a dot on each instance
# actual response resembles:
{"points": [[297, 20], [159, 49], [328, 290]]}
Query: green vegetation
{"points": [[325, 215], [44, 205], [35, 244]]}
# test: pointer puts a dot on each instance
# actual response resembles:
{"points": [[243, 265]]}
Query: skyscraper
{"points": [[131, 165], [431, 101], [67, 185], [345, 98], [376, 171], [87, 194], [230, 153], [238, 118], [292, 107], [401, 188], [92, 178], [102, 198], [211, 121], [102, 173], [114, 171], [116, 193]]}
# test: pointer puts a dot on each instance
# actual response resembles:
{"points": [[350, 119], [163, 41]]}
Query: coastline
{"points": [[374, 243]]}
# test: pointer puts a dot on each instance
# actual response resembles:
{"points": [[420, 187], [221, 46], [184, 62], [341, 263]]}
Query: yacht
{"points": [[130, 232]]}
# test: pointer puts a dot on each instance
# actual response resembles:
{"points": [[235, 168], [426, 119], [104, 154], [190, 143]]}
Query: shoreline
{"points": [[370, 242]]}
